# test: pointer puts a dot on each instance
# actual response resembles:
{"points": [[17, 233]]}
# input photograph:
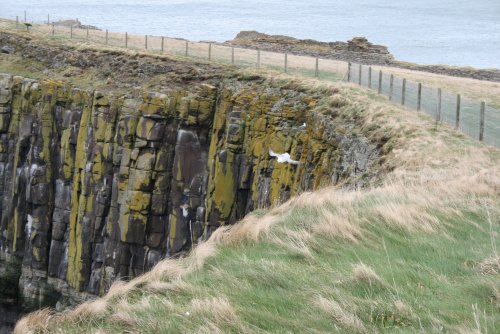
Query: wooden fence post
{"points": [[438, 116], [53, 29], [106, 36], [457, 117], [17, 22], [258, 58], [232, 55], [316, 70], [370, 77], [403, 92], [126, 40], [146, 42], [209, 51], [481, 121], [24, 16], [419, 96], [71, 32], [162, 43], [360, 73], [187, 48], [286, 62], [349, 65], [379, 91], [391, 87], [48, 19], [87, 36]]}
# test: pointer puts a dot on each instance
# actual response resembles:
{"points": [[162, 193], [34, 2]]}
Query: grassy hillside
{"points": [[415, 253]]}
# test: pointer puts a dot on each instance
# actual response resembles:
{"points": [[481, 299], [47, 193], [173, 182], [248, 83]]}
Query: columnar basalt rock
{"points": [[98, 187]]}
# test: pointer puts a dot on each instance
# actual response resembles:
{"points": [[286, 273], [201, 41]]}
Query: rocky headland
{"points": [[357, 50]]}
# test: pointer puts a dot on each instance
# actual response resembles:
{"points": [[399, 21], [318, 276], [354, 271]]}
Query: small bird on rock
{"points": [[284, 157]]}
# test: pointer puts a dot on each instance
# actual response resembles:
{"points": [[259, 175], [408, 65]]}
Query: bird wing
{"points": [[272, 153]]}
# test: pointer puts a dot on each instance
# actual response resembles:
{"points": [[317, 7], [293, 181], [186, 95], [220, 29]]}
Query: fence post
{"points": [[187, 48], [457, 118], [370, 77], [349, 65], [391, 86], [232, 55], [481, 121], [17, 22], [286, 62], [48, 19], [258, 58], [438, 116], [403, 92], [419, 96], [379, 91], [24, 16], [209, 51], [162, 43], [146, 42], [360, 74], [126, 40], [316, 71], [53, 30], [87, 37], [71, 32], [106, 36]]}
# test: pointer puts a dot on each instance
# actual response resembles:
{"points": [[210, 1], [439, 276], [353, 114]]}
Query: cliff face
{"points": [[97, 187]]}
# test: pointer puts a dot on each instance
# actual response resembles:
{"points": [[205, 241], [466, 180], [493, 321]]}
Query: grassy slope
{"points": [[416, 253]]}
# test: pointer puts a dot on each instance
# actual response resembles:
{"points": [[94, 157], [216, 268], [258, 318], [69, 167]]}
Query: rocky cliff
{"points": [[99, 185]]}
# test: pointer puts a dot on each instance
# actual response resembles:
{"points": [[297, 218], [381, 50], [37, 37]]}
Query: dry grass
{"points": [[35, 321], [340, 314], [490, 266], [342, 224], [90, 309], [365, 274], [217, 309], [295, 242]]}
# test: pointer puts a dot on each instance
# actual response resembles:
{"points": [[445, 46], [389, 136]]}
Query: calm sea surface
{"points": [[455, 32]]}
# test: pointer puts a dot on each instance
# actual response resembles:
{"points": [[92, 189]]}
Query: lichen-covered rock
{"points": [[97, 187]]}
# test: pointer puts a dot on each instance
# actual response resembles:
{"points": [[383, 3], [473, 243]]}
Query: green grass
{"points": [[426, 281]]}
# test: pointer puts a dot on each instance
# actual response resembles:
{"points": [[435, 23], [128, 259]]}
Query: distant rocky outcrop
{"points": [[75, 24], [358, 50]]}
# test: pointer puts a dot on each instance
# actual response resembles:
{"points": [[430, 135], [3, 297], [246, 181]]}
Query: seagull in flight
{"points": [[284, 157]]}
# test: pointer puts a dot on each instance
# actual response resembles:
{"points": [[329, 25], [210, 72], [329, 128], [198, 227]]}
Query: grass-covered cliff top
{"points": [[30, 65], [417, 253]]}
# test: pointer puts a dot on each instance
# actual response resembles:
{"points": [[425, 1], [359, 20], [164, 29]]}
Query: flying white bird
{"points": [[284, 157]]}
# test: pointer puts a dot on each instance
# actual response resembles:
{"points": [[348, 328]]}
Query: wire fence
{"points": [[471, 117], [474, 118]]}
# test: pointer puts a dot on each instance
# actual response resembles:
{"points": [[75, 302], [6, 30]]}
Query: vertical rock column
{"points": [[5, 116], [92, 180]]}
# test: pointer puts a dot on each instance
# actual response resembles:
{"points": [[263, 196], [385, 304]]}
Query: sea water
{"points": [[454, 32]]}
